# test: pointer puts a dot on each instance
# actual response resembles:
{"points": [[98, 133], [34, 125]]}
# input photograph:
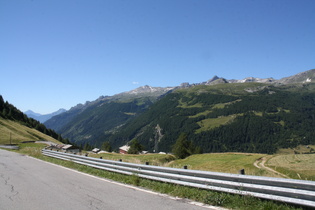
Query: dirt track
{"points": [[260, 163]]}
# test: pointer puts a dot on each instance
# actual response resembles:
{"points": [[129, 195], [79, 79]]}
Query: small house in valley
{"points": [[64, 147], [124, 149], [96, 150]]}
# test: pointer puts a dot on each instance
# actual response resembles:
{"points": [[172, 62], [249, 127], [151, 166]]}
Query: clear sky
{"points": [[58, 53]]}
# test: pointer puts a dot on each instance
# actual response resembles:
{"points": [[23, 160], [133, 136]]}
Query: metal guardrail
{"points": [[9, 146], [292, 191]]}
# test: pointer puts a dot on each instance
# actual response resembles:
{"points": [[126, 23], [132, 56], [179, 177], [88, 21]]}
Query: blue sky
{"points": [[58, 53]]}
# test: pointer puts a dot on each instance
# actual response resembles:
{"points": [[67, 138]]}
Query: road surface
{"points": [[28, 183]]}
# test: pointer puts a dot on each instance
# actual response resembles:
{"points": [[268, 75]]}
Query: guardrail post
{"points": [[242, 171], [101, 157], [86, 154], [185, 167], [120, 160], [147, 163]]}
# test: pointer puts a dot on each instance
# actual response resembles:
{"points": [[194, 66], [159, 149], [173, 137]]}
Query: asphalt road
{"points": [[28, 183]]}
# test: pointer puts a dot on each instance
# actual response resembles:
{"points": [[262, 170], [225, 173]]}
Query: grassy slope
{"points": [[295, 163], [223, 162], [20, 133], [297, 166]]}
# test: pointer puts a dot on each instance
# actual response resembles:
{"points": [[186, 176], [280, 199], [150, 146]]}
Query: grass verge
{"points": [[204, 196], [296, 166]]}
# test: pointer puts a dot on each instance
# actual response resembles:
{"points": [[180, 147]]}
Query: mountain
{"points": [[92, 121], [146, 91], [42, 118], [249, 115], [32, 114]]}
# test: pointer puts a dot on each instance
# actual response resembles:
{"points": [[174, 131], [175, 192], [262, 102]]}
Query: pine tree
{"points": [[181, 147], [135, 147], [106, 146], [1, 103], [87, 147]]}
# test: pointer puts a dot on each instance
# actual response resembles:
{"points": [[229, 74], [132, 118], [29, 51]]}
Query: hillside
{"points": [[93, 121], [249, 115], [17, 127], [15, 133]]}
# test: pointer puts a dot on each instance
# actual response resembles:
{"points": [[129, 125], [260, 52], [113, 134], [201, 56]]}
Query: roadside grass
{"points": [[32, 149], [208, 197]]}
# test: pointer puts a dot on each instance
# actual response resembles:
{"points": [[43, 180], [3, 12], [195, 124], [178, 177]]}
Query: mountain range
{"points": [[43, 118], [249, 115]]}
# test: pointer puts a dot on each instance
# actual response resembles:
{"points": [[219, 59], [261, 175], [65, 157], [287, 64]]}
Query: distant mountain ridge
{"points": [[43, 118], [302, 77], [114, 118], [155, 92]]}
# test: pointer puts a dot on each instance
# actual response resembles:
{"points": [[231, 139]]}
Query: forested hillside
{"points": [[92, 124], [10, 112], [248, 117]]}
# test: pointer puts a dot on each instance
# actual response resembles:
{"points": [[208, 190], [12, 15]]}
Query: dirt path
{"points": [[260, 163]]}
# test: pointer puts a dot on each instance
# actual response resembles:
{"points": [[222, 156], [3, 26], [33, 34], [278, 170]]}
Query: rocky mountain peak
{"points": [[148, 89], [213, 79]]}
